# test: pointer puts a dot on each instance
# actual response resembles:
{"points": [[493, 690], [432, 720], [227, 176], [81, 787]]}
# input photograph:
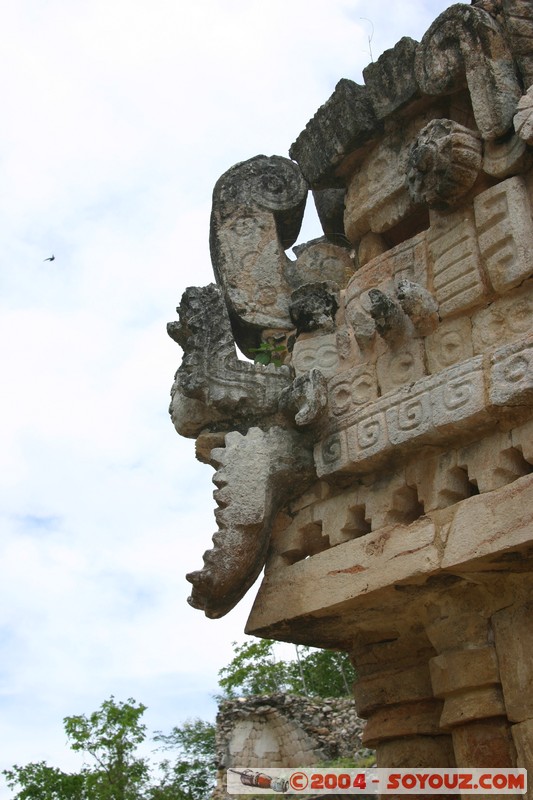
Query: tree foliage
{"points": [[254, 669], [110, 738], [194, 769]]}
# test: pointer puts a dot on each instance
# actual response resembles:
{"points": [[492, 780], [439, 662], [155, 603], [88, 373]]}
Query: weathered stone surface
{"points": [[377, 198], [320, 260], [523, 119], [464, 46], [313, 307], [350, 113], [257, 210], [477, 704], [252, 470], [459, 670], [511, 377], [505, 233], [485, 744], [443, 164], [523, 741], [502, 159], [409, 719], [456, 275], [450, 344], [506, 320], [518, 16], [391, 80], [389, 688], [513, 636]]}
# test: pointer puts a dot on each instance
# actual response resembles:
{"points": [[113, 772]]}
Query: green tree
{"points": [[38, 781], [254, 669], [190, 775], [111, 736]]}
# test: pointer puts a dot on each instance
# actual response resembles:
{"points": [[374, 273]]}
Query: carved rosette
{"points": [[443, 164]]}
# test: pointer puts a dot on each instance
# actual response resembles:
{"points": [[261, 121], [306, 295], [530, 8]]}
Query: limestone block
{"points": [[456, 278], [459, 670], [505, 233], [377, 198], [371, 246], [523, 120], [319, 491], [407, 719], [490, 523], [518, 16], [484, 744], [450, 344], [406, 261], [319, 351], [523, 741], [443, 164], [507, 319], [391, 80], [331, 454], [492, 462], [425, 412], [355, 569], [522, 439], [320, 260], [389, 688], [329, 205], [513, 633], [390, 501], [338, 522], [476, 704], [506, 158], [465, 46], [399, 367], [511, 375], [350, 114], [352, 389], [439, 480], [416, 751]]}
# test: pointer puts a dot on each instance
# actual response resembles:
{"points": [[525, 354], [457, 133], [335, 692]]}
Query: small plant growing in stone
{"points": [[269, 353]]}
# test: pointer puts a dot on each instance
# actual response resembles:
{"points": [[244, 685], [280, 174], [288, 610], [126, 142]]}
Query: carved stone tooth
{"points": [[419, 305]]}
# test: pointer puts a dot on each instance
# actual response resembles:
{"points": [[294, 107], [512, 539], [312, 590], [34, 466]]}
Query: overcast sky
{"points": [[118, 116]]}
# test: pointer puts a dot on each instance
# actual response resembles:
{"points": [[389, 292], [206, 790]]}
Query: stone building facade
{"points": [[382, 475]]}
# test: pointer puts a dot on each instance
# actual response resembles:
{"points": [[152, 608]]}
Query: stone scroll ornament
{"points": [[257, 211]]}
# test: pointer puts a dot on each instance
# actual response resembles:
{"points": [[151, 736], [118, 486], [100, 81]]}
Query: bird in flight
{"points": [[50, 258]]}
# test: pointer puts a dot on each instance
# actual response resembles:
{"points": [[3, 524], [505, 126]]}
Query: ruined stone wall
{"points": [[286, 731]]}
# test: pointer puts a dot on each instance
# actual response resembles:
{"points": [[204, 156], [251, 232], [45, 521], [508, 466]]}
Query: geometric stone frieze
{"points": [[505, 233], [455, 266], [511, 377], [427, 411]]}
